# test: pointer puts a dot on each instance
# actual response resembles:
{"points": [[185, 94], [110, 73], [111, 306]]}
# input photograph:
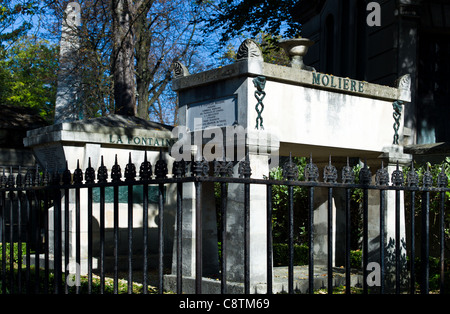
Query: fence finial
{"points": [[412, 178], [311, 171], [4, 180], [116, 173], [90, 173], [397, 176], [102, 175], [179, 169], [330, 172], [427, 178], [145, 171], [37, 176], [11, 179], [78, 174], [130, 170], [382, 176], [161, 167], [442, 180], [46, 176], [67, 176], [19, 178], [28, 178], [290, 169], [348, 175], [244, 169], [365, 175]]}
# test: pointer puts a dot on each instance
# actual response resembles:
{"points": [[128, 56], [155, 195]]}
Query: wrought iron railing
{"points": [[41, 266]]}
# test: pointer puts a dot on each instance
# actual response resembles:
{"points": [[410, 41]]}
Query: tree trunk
{"points": [[123, 59], [143, 77]]}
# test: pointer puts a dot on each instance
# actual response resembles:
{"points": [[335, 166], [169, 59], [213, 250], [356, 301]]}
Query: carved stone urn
{"points": [[296, 49]]}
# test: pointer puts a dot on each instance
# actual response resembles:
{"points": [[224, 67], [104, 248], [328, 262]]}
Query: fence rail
{"points": [[43, 266]]}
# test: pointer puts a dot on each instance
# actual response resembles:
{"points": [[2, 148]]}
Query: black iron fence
{"points": [[36, 243]]}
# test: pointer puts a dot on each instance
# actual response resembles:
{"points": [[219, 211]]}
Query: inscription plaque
{"points": [[217, 113]]}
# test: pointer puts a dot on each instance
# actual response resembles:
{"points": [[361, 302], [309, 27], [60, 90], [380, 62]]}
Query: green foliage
{"points": [[435, 274], [280, 207], [356, 259], [31, 280], [28, 75], [281, 254], [249, 16], [272, 53], [13, 22], [280, 215], [268, 43], [435, 204], [83, 288], [301, 254], [8, 252], [109, 286]]}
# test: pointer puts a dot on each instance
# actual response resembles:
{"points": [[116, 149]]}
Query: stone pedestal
{"points": [[394, 159], [260, 146], [91, 140], [321, 225], [210, 260], [258, 227]]}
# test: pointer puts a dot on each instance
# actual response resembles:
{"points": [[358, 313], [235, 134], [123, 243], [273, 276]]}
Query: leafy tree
{"points": [[28, 75], [168, 33], [26, 65], [270, 50], [127, 51], [14, 19], [252, 16]]}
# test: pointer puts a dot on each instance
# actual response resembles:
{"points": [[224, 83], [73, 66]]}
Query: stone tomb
{"points": [[298, 111], [107, 137]]}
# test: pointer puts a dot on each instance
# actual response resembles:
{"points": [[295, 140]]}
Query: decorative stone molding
{"points": [[180, 70], [296, 49], [249, 49], [403, 84]]}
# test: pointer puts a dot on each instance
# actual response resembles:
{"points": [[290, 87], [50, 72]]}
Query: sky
{"points": [[204, 54]]}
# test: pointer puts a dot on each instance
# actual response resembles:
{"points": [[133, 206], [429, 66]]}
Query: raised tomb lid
{"points": [[110, 121]]}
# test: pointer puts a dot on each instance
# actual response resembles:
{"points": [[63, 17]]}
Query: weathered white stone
{"points": [[305, 112], [69, 81], [93, 138], [79, 142]]}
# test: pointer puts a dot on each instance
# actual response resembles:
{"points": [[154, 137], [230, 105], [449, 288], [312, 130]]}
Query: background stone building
{"points": [[414, 38]]}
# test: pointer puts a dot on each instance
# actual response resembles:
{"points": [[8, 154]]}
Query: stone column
{"points": [[69, 80], [321, 218], [394, 160], [210, 259], [210, 254], [260, 147], [390, 157]]}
